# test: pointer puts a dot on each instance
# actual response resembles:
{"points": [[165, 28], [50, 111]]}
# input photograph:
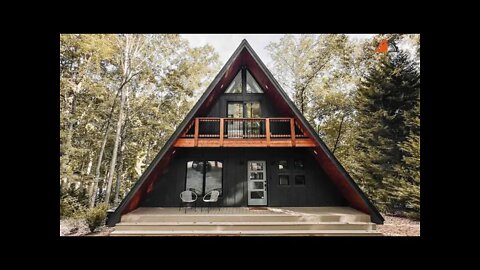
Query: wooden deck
{"points": [[243, 221]]}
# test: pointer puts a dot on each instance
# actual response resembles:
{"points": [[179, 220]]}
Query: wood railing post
{"points": [[221, 132], [292, 131], [195, 137], [267, 130]]}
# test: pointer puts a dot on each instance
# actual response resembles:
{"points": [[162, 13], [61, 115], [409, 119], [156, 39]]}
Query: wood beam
{"points": [[221, 132], [195, 137], [267, 130], [292, 131], [287, 142]]}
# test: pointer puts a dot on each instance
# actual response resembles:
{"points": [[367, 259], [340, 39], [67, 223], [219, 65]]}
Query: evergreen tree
{"points": [[407, 194], [386, 96]]}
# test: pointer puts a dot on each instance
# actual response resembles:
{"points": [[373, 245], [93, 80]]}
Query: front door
{"points": [[257, 183]]}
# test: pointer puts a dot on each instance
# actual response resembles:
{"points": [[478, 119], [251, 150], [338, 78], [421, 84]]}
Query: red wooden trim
{"points": [[267, 130], [292, 131], [286, 142], [221, 131], [195, 137]]}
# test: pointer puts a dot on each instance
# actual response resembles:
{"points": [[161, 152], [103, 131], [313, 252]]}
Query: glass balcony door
{"points": [[235, 127]]}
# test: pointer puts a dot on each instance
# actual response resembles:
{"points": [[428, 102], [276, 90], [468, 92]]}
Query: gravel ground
{"points": [[75, 227], [397, 226]]}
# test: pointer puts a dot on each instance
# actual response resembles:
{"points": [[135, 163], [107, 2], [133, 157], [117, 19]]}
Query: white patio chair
{"points": [[212, 198], [187, 197]]}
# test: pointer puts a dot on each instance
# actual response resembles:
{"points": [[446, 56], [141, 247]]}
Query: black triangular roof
{"points": [[360, 202]]}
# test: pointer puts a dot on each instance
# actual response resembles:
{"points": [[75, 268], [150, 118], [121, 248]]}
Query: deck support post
{"points": [[195, 137], [221, 131], [267, 131], [292, 131]]}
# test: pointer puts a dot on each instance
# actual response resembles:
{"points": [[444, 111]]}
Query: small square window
{"points": [[282, 165], [298, 164], [283, 179], [300, 180]]}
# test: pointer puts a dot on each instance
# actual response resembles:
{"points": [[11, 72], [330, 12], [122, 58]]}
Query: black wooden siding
{"points": [[318, 191]]}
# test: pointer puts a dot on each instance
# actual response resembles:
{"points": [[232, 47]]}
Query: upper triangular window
{"points": [[236, 86], [252, 85]]}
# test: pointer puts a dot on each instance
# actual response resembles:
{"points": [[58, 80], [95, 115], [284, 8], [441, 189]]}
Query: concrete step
{"points": [[241, 226], [250, 233]]}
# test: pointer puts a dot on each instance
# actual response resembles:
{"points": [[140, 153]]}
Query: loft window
{"points": [[298, 164], [204, 176], [282, 165], [252, 85], [283, 180], [300, 180], [236, 86]]}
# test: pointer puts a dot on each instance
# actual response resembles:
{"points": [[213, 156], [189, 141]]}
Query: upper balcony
{"points": [[244, 132]]}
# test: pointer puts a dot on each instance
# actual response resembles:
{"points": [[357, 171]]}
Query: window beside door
{"points": [[204, 176]]}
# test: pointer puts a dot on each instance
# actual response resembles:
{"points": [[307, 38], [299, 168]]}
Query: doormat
{"points": [[257, 208]]}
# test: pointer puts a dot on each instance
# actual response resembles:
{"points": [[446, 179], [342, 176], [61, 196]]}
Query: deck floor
{"points": [[246, 211]]}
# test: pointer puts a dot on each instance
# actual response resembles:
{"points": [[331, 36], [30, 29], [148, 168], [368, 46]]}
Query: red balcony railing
{"points": [[260, 131]]}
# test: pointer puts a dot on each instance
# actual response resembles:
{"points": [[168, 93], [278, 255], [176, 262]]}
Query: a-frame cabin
{"points": [[245, 138]]}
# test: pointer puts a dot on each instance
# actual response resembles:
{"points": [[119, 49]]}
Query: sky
{"points": [[225, 44]]}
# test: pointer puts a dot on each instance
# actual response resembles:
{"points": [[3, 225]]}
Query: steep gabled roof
{"points": [[245, 55]]}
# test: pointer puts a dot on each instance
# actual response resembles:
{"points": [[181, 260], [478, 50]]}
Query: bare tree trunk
{"points": [[119, 173], [115, 146], [120, 155], [338, 135], [94, 186], [68, 143]]}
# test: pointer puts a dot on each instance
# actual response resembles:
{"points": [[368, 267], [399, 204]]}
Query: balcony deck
{"points": [[244, 132]]}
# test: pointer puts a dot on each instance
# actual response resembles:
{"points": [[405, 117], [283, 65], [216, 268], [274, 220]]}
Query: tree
{"points": [[387, 94], [300, 62], [161, 73], [80, 57]]}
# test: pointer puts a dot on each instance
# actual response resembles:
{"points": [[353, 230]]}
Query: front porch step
{"points": [[251, 233], [248, 221], [242, 226]]}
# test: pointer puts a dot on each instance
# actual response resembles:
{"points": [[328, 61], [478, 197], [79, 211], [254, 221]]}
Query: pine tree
{"points": [[388, 93], [408, 193]]}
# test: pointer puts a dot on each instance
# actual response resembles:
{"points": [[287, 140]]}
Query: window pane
{"points": [[282, 165], [256, 194], [253, 110], [256, 176], [235, 110], [235, 86], [283, 179], [300, 180], [298, 164], [195, 176], [256, 166], [257, 185], [213, 177], [252, 85]]}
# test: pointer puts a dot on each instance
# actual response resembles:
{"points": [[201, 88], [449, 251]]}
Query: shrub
{"points": [[95, 217], [70, 206]]}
